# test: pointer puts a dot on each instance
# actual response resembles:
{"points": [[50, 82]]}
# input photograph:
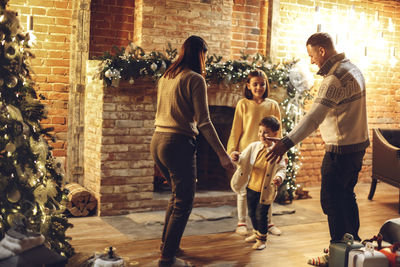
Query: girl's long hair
{"points": [[256, 73], [191, 56]]}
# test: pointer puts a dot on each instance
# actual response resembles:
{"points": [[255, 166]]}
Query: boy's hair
{"points": [[256, 73], [321, 39], [270, 122]]}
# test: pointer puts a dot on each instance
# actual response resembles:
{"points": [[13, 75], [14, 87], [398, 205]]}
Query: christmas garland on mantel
{"points": [[133, 63]]}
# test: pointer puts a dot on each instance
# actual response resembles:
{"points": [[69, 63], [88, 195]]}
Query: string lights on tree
{"points": [[30, 185]]}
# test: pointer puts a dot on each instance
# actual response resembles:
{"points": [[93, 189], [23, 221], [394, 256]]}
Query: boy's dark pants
{"points": [[175, 156], [339, 176], [258, 213]]}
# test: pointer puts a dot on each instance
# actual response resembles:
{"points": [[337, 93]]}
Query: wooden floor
{"points": [[292, 248]]}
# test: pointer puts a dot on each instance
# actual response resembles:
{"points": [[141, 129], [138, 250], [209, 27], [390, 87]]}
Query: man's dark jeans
{"points": [[339, 176], [175, 156], [258, 213]]}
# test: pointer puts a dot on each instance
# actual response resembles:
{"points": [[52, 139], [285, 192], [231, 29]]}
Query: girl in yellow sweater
{"points": [[249, 112]]}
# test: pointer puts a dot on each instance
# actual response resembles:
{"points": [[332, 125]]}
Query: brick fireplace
{"points": [[119, 124]]}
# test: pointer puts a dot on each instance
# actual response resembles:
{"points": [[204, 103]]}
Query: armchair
{"points": [[385, 158]]}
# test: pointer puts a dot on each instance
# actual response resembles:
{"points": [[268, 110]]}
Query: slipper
{"points": [[319, 261]]}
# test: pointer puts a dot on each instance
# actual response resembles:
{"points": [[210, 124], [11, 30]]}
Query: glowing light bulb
{"points": [[391, 25]]}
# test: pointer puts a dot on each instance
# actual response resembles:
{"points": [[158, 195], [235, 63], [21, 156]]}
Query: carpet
{"points": [[209, 220]]}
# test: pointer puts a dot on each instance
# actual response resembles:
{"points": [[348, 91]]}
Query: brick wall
{"points": [[249, 27], [119, 123], [173, 21], [156, 25], [51, 20], [111, 25], [354, 34], [93, 130]]}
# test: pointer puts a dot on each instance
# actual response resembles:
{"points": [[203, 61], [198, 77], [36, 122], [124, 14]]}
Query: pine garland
{"points": [[133, 63]]}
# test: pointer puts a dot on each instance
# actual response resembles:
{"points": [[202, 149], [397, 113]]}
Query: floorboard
{"points": [[296, 244]]}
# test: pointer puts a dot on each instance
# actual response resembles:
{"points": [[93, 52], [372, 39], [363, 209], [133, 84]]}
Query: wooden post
{"points": [[79, 55], [272, 29]]}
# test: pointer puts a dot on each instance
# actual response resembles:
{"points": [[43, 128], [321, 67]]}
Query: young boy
{"points": [[260, 179]]}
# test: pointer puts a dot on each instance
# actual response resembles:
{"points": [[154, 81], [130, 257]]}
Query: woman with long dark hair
{"points": [[182, 110]]}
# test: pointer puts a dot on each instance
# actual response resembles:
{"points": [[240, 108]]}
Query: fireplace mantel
{"points": [[119, 124]]}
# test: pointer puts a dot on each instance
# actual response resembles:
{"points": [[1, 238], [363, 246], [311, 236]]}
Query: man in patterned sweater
{"points": [[340, 113]]}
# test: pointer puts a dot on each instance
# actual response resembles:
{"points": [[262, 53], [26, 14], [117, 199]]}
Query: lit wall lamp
{"points": [[380, 40], [29, 27], [393, 59], [29, 23], [364, 59], [391, 25], [317, 19], [352, 12], [376, 20]]}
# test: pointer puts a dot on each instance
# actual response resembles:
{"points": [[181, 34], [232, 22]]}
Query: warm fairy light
{"points": [[393, 60], [391, 25], [376, 19]]}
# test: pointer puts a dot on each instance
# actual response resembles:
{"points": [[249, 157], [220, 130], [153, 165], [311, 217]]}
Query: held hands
{"points": [[235, 156], [277, 181], [227, 163], [277, 152]]}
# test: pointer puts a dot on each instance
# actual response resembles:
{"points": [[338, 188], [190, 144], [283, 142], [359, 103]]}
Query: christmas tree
{"points": [[30, 182]]}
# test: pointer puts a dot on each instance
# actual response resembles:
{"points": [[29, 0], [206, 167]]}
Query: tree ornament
{"points": [[13, 195], [13, 218], [40, 194], [12, 82], [51, 187], [11, 50], [39, 148], [153, 66], [108, 73], [14, 113], [1, 82], [10, 147], [116, 74], [131, 81]]}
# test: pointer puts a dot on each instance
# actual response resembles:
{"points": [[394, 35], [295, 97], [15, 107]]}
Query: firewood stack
{"points": [[80, 201]]}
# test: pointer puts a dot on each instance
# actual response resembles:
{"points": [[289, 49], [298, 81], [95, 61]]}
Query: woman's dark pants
{"points": [[175, 156]]}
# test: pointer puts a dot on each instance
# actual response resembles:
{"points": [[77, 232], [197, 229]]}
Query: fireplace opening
{"points": [[211, 176]]}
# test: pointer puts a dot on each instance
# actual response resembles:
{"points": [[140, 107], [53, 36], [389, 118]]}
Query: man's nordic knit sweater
{"points": [[339, 109]]}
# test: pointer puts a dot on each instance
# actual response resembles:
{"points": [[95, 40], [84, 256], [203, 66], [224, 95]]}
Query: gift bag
{"points": [[339, 251], [367, 257], [377, 241], [393, 254], [390, 230]]}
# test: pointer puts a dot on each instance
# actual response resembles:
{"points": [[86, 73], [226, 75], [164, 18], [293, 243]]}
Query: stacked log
{"points": [[80, 201]]}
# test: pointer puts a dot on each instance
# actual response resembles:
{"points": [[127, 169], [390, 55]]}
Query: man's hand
{"points": [[277, 152], [277, 180]]}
